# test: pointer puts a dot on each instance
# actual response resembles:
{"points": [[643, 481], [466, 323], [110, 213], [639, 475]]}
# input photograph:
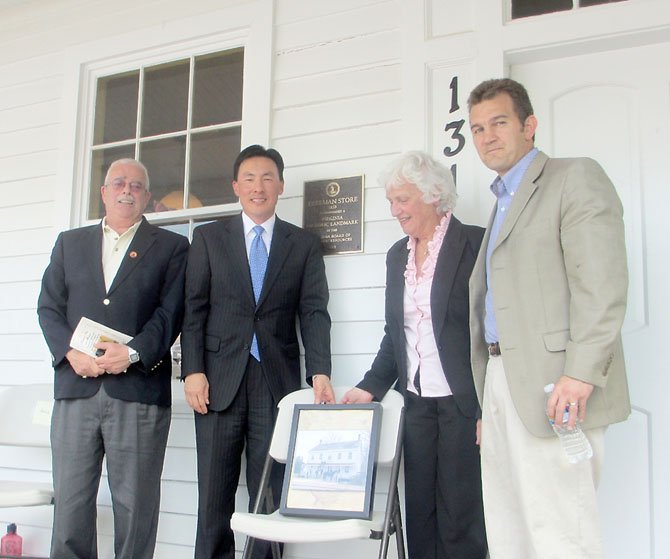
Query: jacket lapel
{"points": [[397, 264], [279, 251], [445, 272], [92, 253], [522, 196], [236, 246], [139, 247]]}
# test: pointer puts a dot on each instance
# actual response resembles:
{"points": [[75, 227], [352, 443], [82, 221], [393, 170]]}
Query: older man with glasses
{"points": [[127, 275]]}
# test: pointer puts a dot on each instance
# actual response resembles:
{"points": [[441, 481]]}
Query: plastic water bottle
{"points": [[575, 444]]}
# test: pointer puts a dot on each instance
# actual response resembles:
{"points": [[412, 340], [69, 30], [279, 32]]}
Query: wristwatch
{"points": [[133, 355]]}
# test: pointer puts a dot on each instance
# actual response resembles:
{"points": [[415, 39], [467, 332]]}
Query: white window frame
{"points": [[248, 26]]}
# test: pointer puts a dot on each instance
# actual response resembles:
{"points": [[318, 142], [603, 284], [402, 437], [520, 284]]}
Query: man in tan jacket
{"points": [[547, 298]]}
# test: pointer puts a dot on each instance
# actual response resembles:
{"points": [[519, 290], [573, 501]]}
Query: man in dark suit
{"points": [[240, 352], [426, 352], [129, 276]]}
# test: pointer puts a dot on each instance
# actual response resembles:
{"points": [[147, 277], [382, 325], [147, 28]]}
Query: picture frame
{"points": [[331, 465]]}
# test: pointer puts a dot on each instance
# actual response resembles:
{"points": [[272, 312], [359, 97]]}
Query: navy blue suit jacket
{"points": [[450, 314], [145, 301], [222, 315]]}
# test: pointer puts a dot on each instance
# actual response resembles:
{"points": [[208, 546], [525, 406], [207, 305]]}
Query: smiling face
{"points": [[417, 218], [125, 195], [258, 187], [500, 137]]}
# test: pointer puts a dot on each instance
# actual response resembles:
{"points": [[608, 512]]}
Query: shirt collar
{"points": [[248, 224], [106, 229], [509, 183]]}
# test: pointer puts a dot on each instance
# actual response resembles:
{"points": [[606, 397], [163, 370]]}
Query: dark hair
{"points": [[259, 151], [491, 88]]}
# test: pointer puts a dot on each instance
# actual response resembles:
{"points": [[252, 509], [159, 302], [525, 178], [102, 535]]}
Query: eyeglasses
{"points": [[120, 184]]}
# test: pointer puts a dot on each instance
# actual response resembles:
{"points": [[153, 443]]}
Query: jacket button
{"points": [[105, 302]]}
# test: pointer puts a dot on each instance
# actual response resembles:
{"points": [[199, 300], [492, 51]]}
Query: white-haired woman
{"points": [[425, 351]]}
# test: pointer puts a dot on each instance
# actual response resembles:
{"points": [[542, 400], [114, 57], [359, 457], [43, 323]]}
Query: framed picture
{"points": [[330, 471]]}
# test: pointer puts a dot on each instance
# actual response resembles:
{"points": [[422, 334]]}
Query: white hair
{"points": [[433, 179]]}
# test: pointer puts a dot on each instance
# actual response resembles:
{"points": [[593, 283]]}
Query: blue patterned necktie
{"points": [[258, 262]]}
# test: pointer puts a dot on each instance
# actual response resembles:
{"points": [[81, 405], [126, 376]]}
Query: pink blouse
{"points": [[419, 336]]}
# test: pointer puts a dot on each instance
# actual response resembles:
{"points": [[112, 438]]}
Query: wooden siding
{"points": [[349, 84]]}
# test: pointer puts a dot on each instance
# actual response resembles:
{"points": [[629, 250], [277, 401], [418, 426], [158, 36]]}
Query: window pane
{"points": [[179, 227], [525, 8], [584, 3], [165, 161], [165, 98], [199, 222], [217, 88], [116, 108], [100, 162], [211, 173]]}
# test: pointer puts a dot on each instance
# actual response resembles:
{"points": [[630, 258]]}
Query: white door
{"points": [[614, 106]]}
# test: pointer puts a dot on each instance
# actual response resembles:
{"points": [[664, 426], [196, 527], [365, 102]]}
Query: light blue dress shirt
{"points": [[504, 188]]}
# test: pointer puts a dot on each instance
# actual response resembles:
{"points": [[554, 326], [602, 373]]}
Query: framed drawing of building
{"points": [[330, 471]]}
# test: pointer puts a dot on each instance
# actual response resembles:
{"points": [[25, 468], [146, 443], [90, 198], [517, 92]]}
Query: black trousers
{"points": [[221, 438], [443, 490]]}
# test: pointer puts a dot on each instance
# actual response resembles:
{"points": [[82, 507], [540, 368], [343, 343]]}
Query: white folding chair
{"points": [[385, 521], [25, 413]]}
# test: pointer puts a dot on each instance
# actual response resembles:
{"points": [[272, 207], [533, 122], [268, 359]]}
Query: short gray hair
{"points": [[130, 161], [433, 179]]}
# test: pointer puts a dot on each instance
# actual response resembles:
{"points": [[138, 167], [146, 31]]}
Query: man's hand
{"points": [[84, 365], [357, 396], [571, 394], [323, 391], [478, 433], [115, 360], [196, 389]]}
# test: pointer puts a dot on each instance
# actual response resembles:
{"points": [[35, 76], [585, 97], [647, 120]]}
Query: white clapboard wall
{"points": [[339, 88]]}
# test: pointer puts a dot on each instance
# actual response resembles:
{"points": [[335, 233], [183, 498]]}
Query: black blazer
{"points": [[450, 314], [145, 301], [221, 314]]}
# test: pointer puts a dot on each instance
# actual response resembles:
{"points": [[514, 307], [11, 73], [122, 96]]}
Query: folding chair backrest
{"points": [[392, 406], [25, 414]]}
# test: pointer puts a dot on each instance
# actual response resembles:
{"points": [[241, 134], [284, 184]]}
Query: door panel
{"points": [[614, 106]]}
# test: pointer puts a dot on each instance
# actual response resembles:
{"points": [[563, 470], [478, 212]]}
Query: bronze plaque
{"points": [[333, 209]]}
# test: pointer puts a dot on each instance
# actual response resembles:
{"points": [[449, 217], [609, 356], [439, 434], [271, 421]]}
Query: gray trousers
{"points": [[133, 438]]}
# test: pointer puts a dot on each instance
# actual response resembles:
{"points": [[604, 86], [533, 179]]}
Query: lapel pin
{"points": [[132, 254]]}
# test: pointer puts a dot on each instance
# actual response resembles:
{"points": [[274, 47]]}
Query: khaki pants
{"points": [[536, 504]]}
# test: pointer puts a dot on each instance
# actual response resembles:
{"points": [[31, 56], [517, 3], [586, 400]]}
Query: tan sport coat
{"points": [[559, 280]]}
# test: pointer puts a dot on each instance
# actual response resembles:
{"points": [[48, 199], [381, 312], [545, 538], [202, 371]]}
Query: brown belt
{"points": [[494, 349]]}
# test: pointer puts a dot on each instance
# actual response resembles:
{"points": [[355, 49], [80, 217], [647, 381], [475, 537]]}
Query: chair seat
{"points": [[280, 528], [25, 494]]}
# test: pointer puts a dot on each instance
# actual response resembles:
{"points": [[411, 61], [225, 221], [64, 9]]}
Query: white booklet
{"points": [[88, 332]]}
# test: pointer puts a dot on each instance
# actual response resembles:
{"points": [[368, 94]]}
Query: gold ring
{"points": [[573, 403]]}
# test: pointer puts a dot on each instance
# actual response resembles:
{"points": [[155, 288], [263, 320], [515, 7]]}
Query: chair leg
{"points": [[248, 548], [392, 524], [264, 503], [263, 498], [399, 537]]}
